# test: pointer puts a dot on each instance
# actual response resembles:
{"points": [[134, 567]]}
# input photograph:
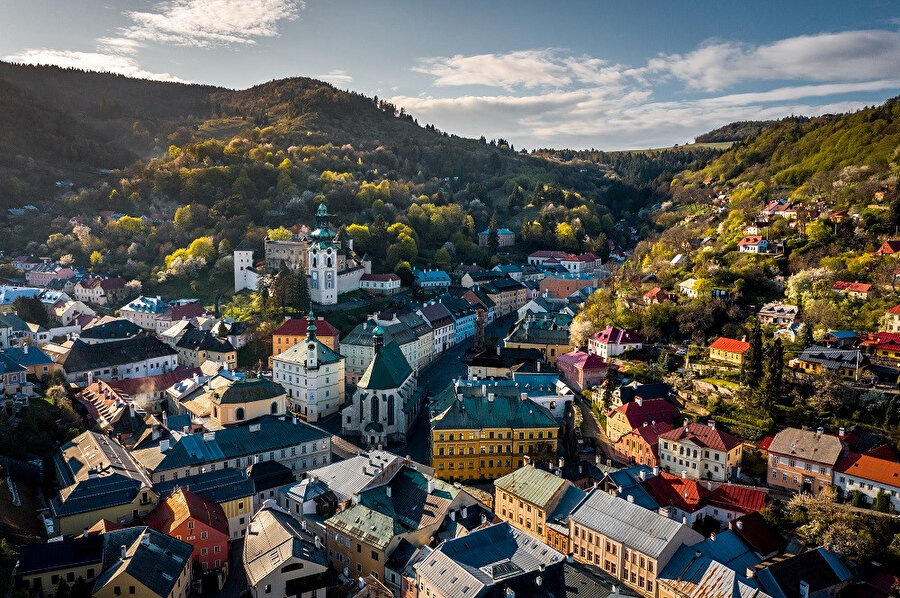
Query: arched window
{"points": [[274, 408], [314, 263], [362, 399], [390, 410], [375, 415], [328, 262], [239, 414]]}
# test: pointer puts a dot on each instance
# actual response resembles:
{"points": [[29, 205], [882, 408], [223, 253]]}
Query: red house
{"points": [[641, 445], [199, 522], [580, 369], [889, 247]]}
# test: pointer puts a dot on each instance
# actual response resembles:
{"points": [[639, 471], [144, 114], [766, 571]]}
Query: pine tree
{"points": [[773, 378], [301, 291], [493, 238], [752, 366], [806, 336]]}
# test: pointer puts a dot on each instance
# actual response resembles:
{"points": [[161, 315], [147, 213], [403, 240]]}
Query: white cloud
{"points": [[89, 61], [335, 77], [118, 45], [847, 56], [524, 68], [612, 119], [206, 23]]}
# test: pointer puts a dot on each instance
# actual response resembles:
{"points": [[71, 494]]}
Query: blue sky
{"points": [[609, 75]]}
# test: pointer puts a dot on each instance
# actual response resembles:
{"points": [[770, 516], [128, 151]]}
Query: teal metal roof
{"points": [[297, 353], [469, 407], [389, 369]]}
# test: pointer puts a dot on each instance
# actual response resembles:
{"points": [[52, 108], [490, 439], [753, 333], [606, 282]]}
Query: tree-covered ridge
{"points": [[740, 130], [804, 154]]}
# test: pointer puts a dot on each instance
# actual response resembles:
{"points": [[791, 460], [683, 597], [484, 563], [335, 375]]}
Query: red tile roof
{"points": [[298, 326], [705, 436], [103, 526], [692, 495], [146, 384], [653, 410], [851, 287], [184, 312], [757, 534], [182, 505], [613, 335], [545, 253], [583, 360], [730, 345], [870, 468], [750, 240], [765, 443], [650, 433], [894, 310], [890, 246]]}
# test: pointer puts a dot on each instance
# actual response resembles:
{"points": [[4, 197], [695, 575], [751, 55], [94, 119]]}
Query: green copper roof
{"points": [[367, 525], [389, 369], [475, 411], [297, 353], [531, 484]]}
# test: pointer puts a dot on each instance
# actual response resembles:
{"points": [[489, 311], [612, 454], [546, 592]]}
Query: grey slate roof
{"points": [[531, 484], [218, 486], [84, 356], [807, 445], [63, 554], [630, 524], [464, 567], [273, 434], [157, 564], [351, 476], [108, 328], [273, 538]]}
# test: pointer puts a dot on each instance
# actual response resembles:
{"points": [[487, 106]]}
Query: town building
{"points": [[505, 237], [640, 446], [481, 432], [229, 399], [539, 258], [613, 341], [142, 562], [581, 370], [870, 476], [246, 276], [295, 330], [561, 286], [855, 290], [41, 567], [753, 244], [689, 501], [848, 364], [544, 304], [46, 273], [37, 364], [132, 358], [197, 346], [527, 497], [657, 295], [313, 375], [546, 334], [891, 321], [386, 402], [199, 522], [144, 311], [803, 460], [508, 562], [442, 324], [147, 393], [463, 315], [701, 452], [410, 331], [69, 313], [107, 329], [889, 247], [728, 350], [501, 362], [293, 443], [634, 414], [815, 573], [282, 559], [507, 294], [432, 279], [720, 566], [778, 314], [99, 290], [99, 479], [471, 280], [627, 541], [333, 268], [229, 488], [380, 284], [189, 310]]}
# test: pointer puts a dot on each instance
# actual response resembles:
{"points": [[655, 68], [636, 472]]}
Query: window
{"points": [[374, 556], [268, 589], [132, 589]]}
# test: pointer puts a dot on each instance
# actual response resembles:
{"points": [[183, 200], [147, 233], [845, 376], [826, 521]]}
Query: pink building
{"points": [[580, 369]]}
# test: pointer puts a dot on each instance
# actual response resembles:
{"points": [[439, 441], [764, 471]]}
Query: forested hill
{"points": [[208, 168], [804, 156]]}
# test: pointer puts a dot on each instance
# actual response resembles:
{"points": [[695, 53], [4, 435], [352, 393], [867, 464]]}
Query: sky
{"points": [[592, 74]]}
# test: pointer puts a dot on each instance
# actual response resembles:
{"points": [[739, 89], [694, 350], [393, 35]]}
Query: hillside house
{"points": [[728, 350], [856, 290]]}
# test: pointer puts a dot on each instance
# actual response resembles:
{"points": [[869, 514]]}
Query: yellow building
{"points": [[227, 401], [42, 567], [132, 565], [848, 364], [197, 346], [295, 330], [534, 331], [538, 503], [359, 540], [99, 480], [728, 350], [481, 431]]}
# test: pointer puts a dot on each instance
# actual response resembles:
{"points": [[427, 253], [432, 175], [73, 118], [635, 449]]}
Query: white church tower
{"points": [[245, 275], [323, 261]]}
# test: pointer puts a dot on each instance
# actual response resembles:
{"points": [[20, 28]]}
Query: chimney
{"points": [[643, 474], [712, 424], [145, 539], [820, 431], [804, 589], [684, 520], [739, 524], [452, 515], [561, 461], [630, 498], [639, 401], [465, 512], [387, 491], [85, 532], [685, 422], [749, 573], [526, 460], [841, 432], [656, 470], [683, 474], [122, 550], [318, 542], [25, 349], [712, 537], [430, 486], [164, 445]]}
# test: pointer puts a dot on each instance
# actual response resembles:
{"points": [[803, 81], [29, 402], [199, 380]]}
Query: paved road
{"points": [[592, 428]]}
